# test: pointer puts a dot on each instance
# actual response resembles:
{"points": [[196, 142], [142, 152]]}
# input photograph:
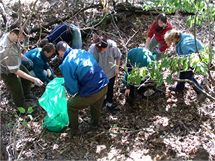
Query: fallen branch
{"points": [[201, 90], [138, 9], [63, 19]]}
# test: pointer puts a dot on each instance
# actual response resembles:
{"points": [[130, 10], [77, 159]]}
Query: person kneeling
{"points": [[39, 58], [138, 57]]}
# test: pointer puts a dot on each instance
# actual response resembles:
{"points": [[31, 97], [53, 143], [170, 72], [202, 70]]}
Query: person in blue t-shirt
{"points": [[185, 44], [85, 81], [138, 57], [40, 65]]}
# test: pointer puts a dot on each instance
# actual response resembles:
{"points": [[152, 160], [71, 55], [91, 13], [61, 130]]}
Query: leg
{"points": [[190, 76], [26, 84], [77, 103], [152, 44], [73, 106], [95, 111], [131, 97], [14, 85], [181, 85], [197, 84], [73, 118], [110, 90]]}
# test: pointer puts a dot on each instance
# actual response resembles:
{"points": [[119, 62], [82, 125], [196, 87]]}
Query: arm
{"points": [[127, 91], [147, 42], [117, 57], [39, 68], [150, 34], [24, 75]]}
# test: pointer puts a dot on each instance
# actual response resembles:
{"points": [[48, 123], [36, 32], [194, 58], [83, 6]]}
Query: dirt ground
{"points": [[165, 126]]}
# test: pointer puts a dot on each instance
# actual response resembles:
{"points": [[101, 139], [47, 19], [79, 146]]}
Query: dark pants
{"points": [[109, 98], [134, 92], [188, 75], [76, 103], [18, 87]]}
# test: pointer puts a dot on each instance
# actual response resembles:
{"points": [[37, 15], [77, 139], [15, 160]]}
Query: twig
{"points": [[144, 83], [210, 46], [130, 38], [10, 156], [20, 153], [94, 26], [3, 12]]}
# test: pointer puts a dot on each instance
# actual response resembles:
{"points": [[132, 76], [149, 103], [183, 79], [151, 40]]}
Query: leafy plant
{"points": [[173, 64], [24, 121]]}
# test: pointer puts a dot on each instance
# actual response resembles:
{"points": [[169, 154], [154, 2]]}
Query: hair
{"points": [[162, 17], [43, 42], [62, 45], [17, 29], [48, 48], [101, 42], [172, 35]]}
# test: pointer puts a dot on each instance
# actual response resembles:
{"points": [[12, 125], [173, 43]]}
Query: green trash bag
{"points": [[53, 101]]}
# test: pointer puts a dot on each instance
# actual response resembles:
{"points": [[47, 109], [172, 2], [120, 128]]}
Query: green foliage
{"points": [[173, 64], [201, 8], [29, 111], [137, 75], [21, 110]]}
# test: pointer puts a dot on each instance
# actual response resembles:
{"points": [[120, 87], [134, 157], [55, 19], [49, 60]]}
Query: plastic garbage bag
{"points": [[54, 102]]}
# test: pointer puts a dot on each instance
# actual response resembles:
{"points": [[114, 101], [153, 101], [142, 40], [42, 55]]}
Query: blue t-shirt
{"points": [[140, 57], [40, 63], [188, 45]]}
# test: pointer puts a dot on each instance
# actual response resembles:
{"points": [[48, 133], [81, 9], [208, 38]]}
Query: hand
{"points": [[175, 77], [127, 92], [49, 73], [38, 82]]}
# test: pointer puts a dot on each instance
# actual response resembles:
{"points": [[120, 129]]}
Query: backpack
{"points": [[66, 32]]}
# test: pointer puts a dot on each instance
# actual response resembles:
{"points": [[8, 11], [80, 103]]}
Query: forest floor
{"points": [[169, 126]]}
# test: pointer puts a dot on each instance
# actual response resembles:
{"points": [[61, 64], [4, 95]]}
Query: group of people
{"points": [[89, 75]]}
